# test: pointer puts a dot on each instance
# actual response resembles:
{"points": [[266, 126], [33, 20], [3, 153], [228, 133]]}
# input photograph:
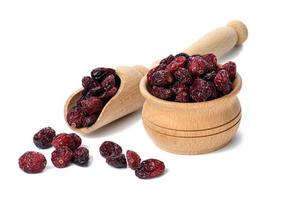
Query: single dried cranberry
{"points": [[32, 162], [108, 82], [209, 76], [211, 60], [75, 117], [109, 148], [43, 139], [200, 90], [197, 66], [117, 161], [161, 78], [222, 82], [214, 93], [89, 120], [178, 87], [162, 93], [64, 139], [177, 63], [88, 82], [230, 67], [62, 157], [91, 105], [108, 94], [167, 60], [77, 140], [99, 74], [183, 76], [150, 168], [96, 91], [182, 97], [81, 156], [133, 159]]}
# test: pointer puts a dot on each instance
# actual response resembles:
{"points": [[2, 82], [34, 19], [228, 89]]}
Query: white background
{"points": [[47, 46]]}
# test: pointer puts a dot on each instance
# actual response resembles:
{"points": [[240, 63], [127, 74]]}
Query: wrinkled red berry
{"points": [[197, 66], [222, 81], [150, 168], [178, 87], [32, 162], [167, 60], [230, 67], [118, 161], [95, 91], [109, 148], [91, 105], [177, 63], [182, 54], [99, 74], [88, 82], [75, 117], [161, 78], [90, 120], [77, 140], [214, 92], [108, 94], [200, 90], [162, 93], [62, 157], [64, 139], [133, 159], [81, 156], [43, 139], [183, 76], [209, 76], [211, 61], [108, 82], [182, 97]]}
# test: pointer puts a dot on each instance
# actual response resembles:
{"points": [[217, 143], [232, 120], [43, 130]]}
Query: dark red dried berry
{"points": [[167, 60], [182, 54], [88, 82], [197, 65], [182, 97], [211, 61], [81, 156], [108, 94], [133, 159], [96, 91], [32, 162], [77, 140], [90, 120], [183, 76], [162, 93], [209, 76], [117, 161], [109, 148], [75, 117], [177, 63], [99, 74], [161, 78], [108, 82], [64, 139], [230, 67], [150, 168], [43, 139], [62, 157], [222, 81], [178, 87], [200, 90], [91, 105], [214, 93]]}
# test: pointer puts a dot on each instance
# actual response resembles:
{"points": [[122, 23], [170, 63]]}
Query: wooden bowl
{"points": [[192, 128]]}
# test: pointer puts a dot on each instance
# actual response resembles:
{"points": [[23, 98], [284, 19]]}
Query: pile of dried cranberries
{"points": [[196, 78], [99, 88]]}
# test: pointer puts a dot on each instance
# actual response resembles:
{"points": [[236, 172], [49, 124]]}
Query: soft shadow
{"points": [[231, 54], [116, 126], [235, 141]]}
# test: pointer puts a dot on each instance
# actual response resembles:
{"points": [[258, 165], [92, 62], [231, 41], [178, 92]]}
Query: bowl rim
{"points": [[237, 85]]}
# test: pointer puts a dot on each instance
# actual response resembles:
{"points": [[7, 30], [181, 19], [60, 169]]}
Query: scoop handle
{"points": [[221, 40]]}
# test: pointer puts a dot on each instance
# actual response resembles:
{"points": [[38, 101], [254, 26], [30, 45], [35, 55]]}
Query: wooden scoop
{"points": [[128, 98]]}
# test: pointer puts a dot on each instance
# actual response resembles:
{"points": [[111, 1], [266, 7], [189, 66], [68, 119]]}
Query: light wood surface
{"points": [[196, 128]]}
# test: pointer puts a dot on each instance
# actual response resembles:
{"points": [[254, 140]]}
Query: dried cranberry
{"points": [[91, 105], [62, 157], [183, 76], [81, 156], [133, 159], [118, 161], [64, 139], [108, 94], [75, 117], [43, 139], [150, 168], [197, 66], [209, 76], [88, 82], [211, 61], [214, 93], [162, 93], [32, 162], [178, 87], [77, 140], [200, 90], [222, 81], [90, 120], [96, 91], [177, 63], [167, 60], [108, 82], [230, 67], [109, 148], [182, 97], [182, 54], [99, 74], [161, 78]]}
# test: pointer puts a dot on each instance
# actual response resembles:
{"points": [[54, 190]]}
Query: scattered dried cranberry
{"points": [[161, 78], [77, 140], [62, 157], [161, 92], [109, 148], [230, 67], [64, 139], [32, 162], [81, 156], [133, 159], [118, 161], [200, 90], [150, 168], [43, 139], [177, 63], [222, 82]]}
